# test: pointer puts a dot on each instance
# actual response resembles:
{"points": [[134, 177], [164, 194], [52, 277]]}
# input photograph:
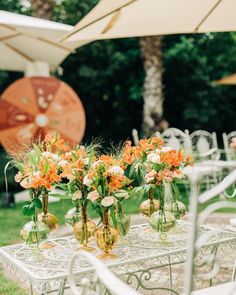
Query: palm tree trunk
{"points": [[42, 8], [153, 96]]}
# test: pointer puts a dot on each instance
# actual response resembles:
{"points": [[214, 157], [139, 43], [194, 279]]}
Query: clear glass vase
{"points": [[106, 237], [84, 230], [34, 232], [162, 221], [72, 216], [123, 221]]}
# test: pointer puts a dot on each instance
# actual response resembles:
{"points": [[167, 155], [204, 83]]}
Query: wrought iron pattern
{"points": [[141, 255]]}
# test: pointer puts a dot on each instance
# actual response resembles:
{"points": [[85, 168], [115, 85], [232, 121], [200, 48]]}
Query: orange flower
{"points": [[172, 158], [108, 160], [116, 182]]}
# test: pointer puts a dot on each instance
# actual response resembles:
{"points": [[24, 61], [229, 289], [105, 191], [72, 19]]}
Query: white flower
{"points": [[77, 195], [154, 158], [178, 174], [62, 163], [55, 157], [166, 149], [86, 161], [122, 194], [87, 181], [26, 182], [107, 201], [18, 177], [93, 196], [95, 164], [116, 170], [46, 154], [68, 155]]}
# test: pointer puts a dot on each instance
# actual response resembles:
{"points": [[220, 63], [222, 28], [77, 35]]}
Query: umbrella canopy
{"points": [[135, 18], [229, 80], [25, 39]]}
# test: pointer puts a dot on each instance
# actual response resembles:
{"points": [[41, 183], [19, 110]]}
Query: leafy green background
{"points": [[108, 76]]}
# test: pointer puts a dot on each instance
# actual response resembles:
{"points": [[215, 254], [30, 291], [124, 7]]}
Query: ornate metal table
{"points": [[141, 255]]}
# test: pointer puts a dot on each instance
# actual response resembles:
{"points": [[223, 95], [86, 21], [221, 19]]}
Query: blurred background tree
{"points": [[109, 77]]}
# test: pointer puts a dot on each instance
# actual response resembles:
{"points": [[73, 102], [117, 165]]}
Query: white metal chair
{"points": [[204, 145], [177, 139], [227, 139], [103, 282], [196, 241]]}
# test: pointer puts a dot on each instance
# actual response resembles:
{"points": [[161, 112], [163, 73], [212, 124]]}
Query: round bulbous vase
{"points": [[34, 233], [84, 231], [50, 220], [148, 207], [177, 208], [162, 221], [72, 216], [106, 238], [123, 224]]}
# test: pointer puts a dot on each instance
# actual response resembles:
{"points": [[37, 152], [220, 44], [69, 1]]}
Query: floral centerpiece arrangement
{"points": [[39, 169], [157, 168], [76, 165], [109, 185]]}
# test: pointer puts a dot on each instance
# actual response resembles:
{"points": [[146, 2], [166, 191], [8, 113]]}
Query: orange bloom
{"points": [[172, 158]]}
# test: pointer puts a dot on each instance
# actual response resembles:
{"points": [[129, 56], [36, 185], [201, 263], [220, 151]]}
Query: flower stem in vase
{"points": [[123, 222], [106, 237], [84, 230], [162, 221], [49, 220]]}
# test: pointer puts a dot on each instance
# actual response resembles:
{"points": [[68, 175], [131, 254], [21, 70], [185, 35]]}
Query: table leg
{"points": [[31, 291], [62, 287]]}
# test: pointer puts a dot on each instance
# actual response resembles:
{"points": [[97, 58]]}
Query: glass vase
{"points": [[162, 221], [177, 208], [72, 216], [149, 206], [34, 232], [123, 221], [48, 218], [106, 237], [84, 230]]}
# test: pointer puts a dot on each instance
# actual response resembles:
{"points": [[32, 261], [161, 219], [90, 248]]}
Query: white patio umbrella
{"points": [[135, 18], [229, 80], [25, 39]]}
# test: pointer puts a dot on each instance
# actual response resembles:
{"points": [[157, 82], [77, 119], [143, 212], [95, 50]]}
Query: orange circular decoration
{"points": [[32, 107]]}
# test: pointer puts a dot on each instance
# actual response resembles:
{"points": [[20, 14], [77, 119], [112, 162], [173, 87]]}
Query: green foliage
{"points": [[108, 76], [192, 63]]}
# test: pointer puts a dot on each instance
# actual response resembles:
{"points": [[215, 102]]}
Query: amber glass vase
{"points": [[84, 229], [149, 206], [106, 237], [49, 219]]}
